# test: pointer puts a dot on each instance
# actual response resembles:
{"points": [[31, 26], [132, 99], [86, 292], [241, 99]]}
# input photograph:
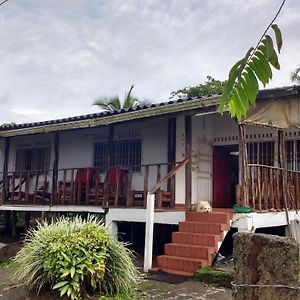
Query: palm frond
{"points": [[129, 100], [295, 76], [108, 104]]}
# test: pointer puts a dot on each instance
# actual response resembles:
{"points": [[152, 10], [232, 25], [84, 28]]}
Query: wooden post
{"points": [[172, 155], [55, 168], [110, 142], [188, 166], [5, 169], [149, 232], [244, 165], [283, 166]]}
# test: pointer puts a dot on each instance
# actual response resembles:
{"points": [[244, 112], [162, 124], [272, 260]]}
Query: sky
{"points": [[57, 57]]}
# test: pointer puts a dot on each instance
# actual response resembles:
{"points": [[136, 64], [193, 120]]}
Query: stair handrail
{"points": [[169, 175]]}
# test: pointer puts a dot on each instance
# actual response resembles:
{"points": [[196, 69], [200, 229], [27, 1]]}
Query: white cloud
{"points": [[58, 56]]}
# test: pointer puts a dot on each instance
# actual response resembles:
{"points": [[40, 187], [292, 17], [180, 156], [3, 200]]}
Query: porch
{"points": [[91, 186]]}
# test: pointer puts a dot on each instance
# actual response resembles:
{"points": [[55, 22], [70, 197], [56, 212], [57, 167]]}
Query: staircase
{"points": [[196, 242]]}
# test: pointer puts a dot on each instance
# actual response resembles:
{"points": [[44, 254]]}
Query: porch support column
{"points": [[172, 154], [188, 166], [244, 165], [55, 168], [108, 163], [5, 169], [283, 166]]}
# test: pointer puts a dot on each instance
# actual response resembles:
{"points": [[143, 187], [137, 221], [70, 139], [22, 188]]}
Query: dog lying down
{"points": [[201, 206]]}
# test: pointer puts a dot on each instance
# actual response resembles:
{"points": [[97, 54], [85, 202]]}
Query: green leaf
{"points": [[270, 52], [259, 71], [249, 86], [60, 284], [264, 63], [278, 36], [64, 290]]}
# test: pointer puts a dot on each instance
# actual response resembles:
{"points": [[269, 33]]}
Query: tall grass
{"points": [[41, 262]]}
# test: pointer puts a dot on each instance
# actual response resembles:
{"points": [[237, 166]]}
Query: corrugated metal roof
{"points": [[138, 112]]}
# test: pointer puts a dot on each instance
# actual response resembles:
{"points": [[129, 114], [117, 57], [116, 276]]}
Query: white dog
{"points": [[202, 206]]}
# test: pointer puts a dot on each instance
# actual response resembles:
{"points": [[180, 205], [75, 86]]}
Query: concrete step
{"points": [[214, 217], [184, 264], [173, 272], [200, 239], [189, 251], [203, 227]]}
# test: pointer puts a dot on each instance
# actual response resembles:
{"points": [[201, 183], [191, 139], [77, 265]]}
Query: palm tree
{"points": [[295, 76], [114, 103]]}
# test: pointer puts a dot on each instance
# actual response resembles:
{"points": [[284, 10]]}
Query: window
{"points": [[35, 159], [124, 154], [261, 153], [293, 155]]}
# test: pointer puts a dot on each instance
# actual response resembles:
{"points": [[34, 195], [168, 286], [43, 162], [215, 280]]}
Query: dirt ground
{"points": [[149, 289]]}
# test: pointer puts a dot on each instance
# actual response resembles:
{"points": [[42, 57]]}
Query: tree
{"points": [[295, 76], [114, 103], [242, 87], [209, 87]]}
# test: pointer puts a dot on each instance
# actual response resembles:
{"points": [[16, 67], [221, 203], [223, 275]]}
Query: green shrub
{"points": [[76, 257]]}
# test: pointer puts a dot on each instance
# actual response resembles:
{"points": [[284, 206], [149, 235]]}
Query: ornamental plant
{"points": [[76, 257]]}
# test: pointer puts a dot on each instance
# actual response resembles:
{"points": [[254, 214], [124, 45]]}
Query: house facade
{"points": [[108, 162]]}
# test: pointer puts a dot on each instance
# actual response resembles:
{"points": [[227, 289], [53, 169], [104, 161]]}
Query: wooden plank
{"points": [[259, 189], [63, 200], [72, 188], [27, 187], [20, 187], [79, 187], [36, 187], [13, 178], [45, 186], [129, 194], [158, 179], [117, 187], [97, 179], [146, 179], [188, 154], [87, 187]]}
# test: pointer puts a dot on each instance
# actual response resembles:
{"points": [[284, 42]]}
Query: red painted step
{"points": [[197, 227], [181, 263], [189, 251], [195, 243], [214, 217], [191, 238]]}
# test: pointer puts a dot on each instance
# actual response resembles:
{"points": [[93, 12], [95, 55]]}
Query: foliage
{"points": [[242, 86], [295, 76], [6, 264], [214, 276], [115, 103], [75, 257], [210, 87]]}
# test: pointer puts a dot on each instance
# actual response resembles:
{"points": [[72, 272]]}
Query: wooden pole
{"points": [[243, 153], [55, 168], [5, 169], [172, 154], [188, 166], [283, 165], [108, 162]]}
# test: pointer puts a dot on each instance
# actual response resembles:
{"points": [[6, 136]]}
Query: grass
{"points": [[214, 276], [6, 264]]}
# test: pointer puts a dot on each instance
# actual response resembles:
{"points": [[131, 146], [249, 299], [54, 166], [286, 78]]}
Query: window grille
{"points": [[293, 155], [32, 159], [124, 154], [261, 153]]}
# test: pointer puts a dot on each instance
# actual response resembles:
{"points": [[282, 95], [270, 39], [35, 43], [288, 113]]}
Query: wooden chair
{"points": [[165, 198]]}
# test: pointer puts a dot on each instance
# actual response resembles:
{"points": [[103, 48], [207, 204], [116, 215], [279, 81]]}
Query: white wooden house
{"points": [[103, 161]]}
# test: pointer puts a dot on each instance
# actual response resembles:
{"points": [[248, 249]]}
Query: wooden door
{"points": [[221, 178]]}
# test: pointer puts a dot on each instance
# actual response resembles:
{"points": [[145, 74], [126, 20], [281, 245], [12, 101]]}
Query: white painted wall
{"points": [[77, 146]]}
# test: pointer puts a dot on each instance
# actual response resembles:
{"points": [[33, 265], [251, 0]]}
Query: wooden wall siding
{"points": [[85, 186]]}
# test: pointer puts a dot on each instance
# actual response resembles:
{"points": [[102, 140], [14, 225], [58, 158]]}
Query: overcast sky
{"points": [[57, 56]]}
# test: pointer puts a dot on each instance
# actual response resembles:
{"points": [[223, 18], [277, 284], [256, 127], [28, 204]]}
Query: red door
{"points": [[221, 178]]}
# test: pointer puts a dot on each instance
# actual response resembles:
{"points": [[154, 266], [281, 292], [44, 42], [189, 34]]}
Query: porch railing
{"points": [[119, 187], [265, 188]]}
